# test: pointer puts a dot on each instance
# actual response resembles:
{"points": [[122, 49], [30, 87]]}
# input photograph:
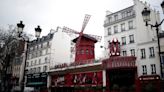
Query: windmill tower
{"points": [[84, 43]]}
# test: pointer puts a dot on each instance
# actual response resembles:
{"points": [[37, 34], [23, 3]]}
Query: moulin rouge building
{"points": [[131, 64]]}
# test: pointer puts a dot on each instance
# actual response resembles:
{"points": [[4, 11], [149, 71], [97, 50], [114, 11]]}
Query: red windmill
{"points": [[84, 42]]}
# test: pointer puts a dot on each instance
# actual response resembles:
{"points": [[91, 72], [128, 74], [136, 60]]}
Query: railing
{"points": [[77, 63]]}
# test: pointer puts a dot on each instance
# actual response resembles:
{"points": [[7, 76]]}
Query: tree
{"points": [[8, 52]]}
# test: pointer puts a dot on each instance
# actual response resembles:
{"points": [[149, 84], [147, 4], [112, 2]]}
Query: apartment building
{"points": [[136, 39], [43, 54]]}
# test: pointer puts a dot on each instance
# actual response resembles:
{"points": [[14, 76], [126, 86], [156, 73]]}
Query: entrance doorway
{"points": [[122, 80]]}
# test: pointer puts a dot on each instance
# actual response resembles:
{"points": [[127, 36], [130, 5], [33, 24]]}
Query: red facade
{"points": [[77, 79], [85, 50]]}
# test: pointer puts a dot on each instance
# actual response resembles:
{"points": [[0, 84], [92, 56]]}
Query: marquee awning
{"points": [[119, 62]]}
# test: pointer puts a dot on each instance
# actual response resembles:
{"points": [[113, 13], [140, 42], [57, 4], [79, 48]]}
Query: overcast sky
{"points": [[52, 13]]}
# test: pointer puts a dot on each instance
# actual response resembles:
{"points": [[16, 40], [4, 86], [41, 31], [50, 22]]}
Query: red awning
{"points": [[119, 62]]}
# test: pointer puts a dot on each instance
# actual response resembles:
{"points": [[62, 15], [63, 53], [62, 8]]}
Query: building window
{"points": [[129, 13], [32, 55], [40, 53], [42, 45], [115, 29], [131, 38], [82, 51], [123, 27], [151, 49], [123, 40], [31, 63], [91, 52], [38, 69], [144, 69], [124, 53], [47, 51], [123, 14], [27, 64], [35, 62], [115, 17], [33, 48], [130, 24], [87, 51], [34, 70], [44, 68], [39, 61], [30, 70], [143, 54], [46, 59], [132, 51], [153, 69], [109, 31], [110, 19], [36, 54], [37, 47]]}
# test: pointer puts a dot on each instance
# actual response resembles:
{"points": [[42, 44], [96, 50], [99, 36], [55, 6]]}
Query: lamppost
{"points": [[38, 30], [146, 17]]}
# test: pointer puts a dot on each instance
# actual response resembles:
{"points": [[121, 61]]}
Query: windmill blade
{"points": [[69, 30], [85, 22], [98, 38]]}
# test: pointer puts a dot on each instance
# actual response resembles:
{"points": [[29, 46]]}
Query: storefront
{"points": [[38, 81], [82, 79], [121, 74], [150, 83]]}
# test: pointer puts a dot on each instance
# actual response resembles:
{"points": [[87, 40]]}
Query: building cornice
{"points": [[119, 20], [130, 7], [148, 42]]}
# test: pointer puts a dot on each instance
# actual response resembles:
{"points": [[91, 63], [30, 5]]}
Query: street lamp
{"points": [[20, 27], [162, 5], [37, 34], [146, 17], [38, 30]]}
